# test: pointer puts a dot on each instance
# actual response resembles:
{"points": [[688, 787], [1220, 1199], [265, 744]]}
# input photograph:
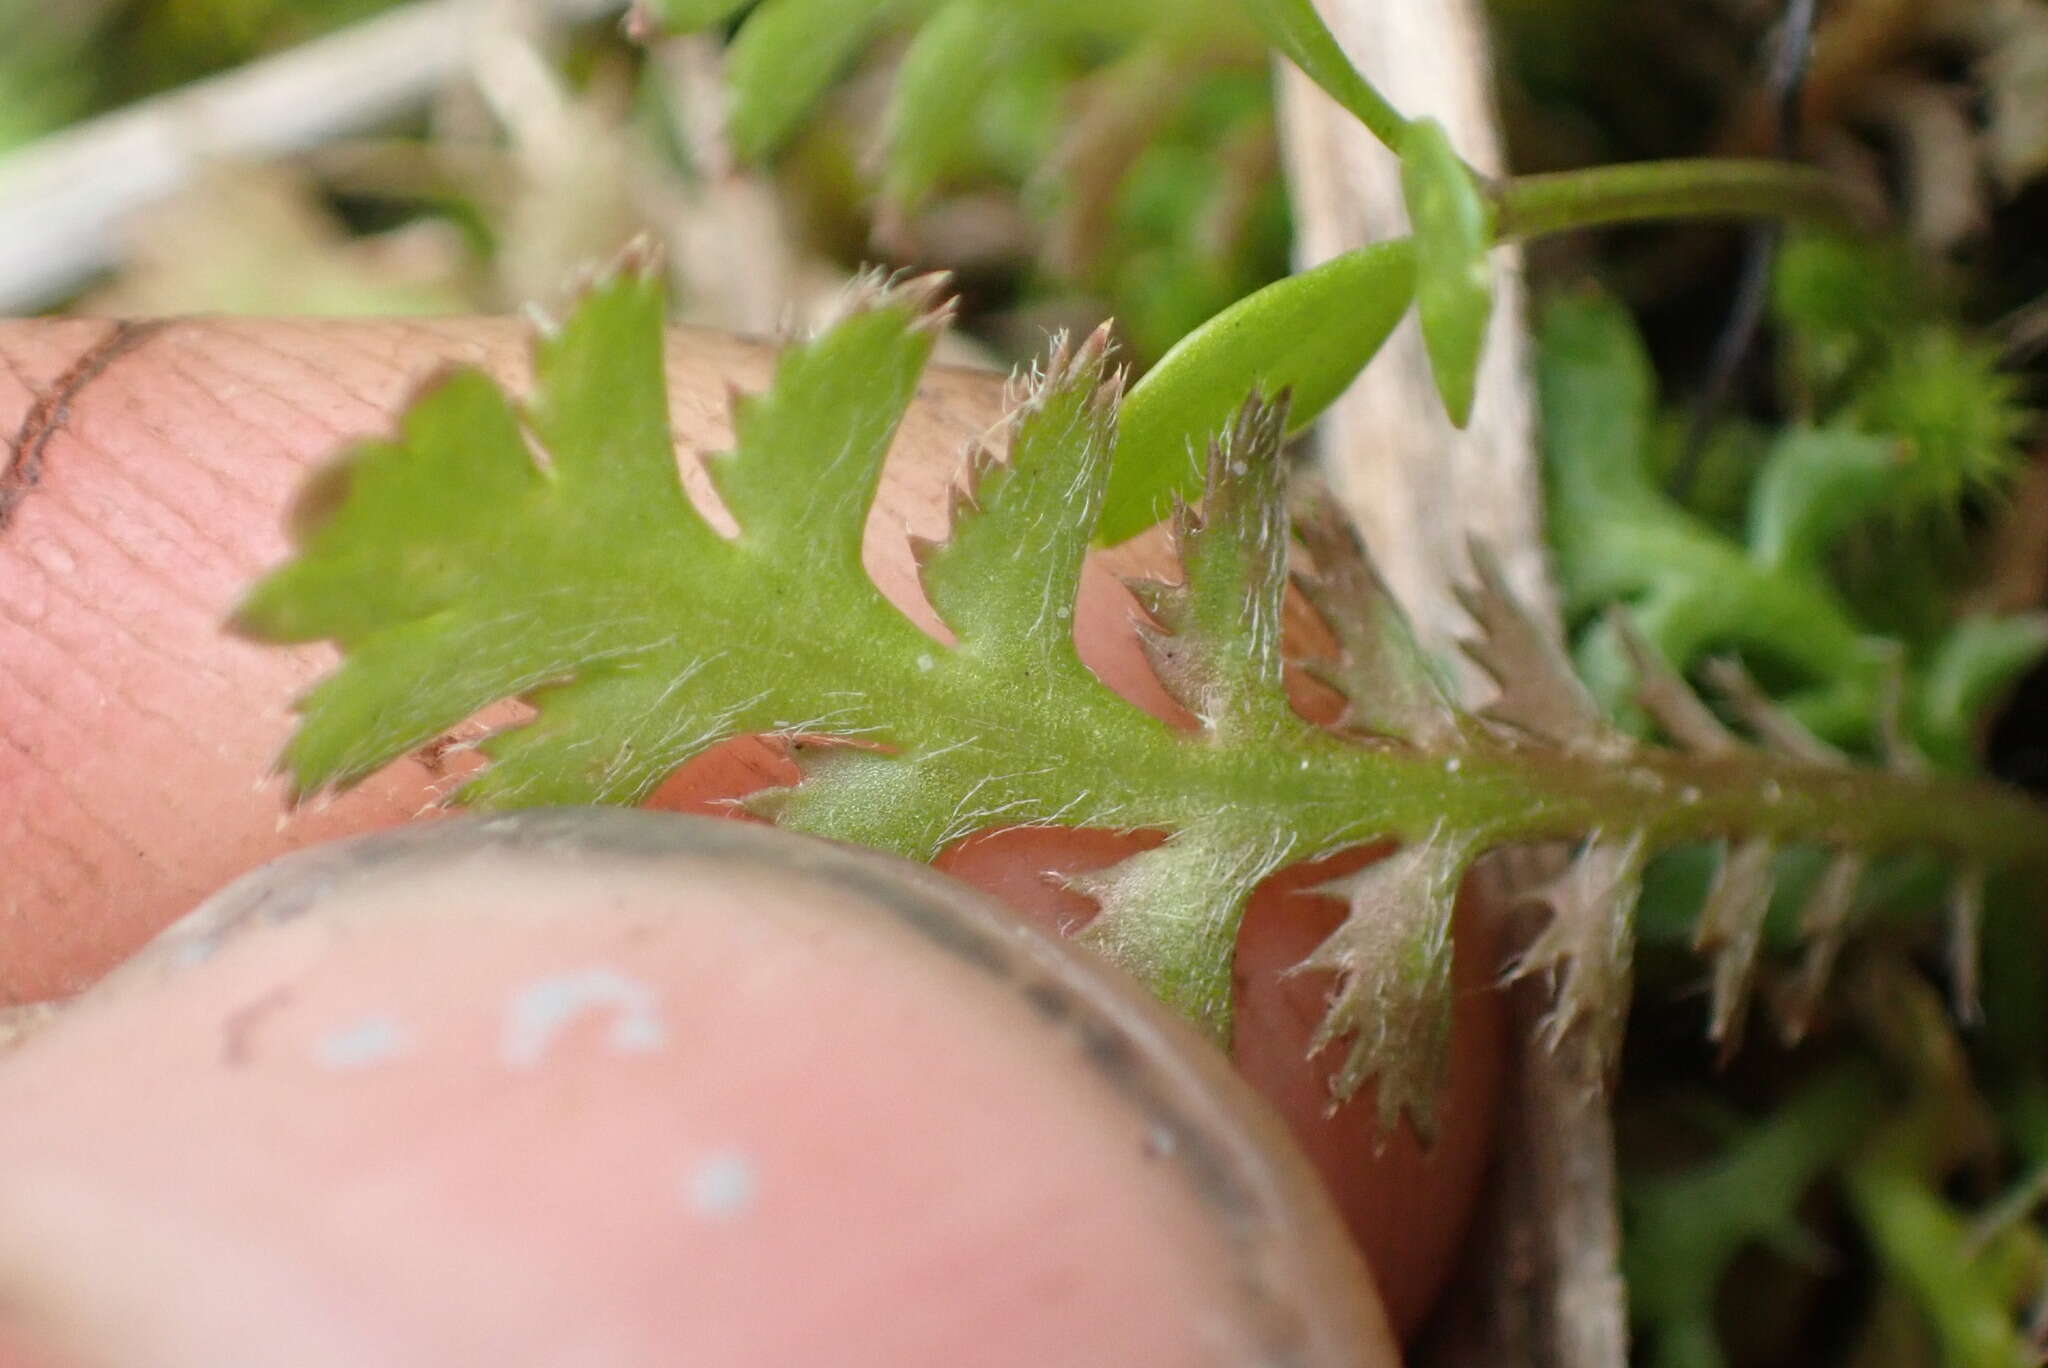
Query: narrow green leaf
{"points": [[1970, 670], [682, 16], [1307, 336], [930, 129], [1599, 397], [1453, 226], [786, 56], [1814, 484], [1295, 29]]}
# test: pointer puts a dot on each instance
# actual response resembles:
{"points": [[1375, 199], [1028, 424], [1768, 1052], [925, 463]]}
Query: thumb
{"points": [[623, 1088]]}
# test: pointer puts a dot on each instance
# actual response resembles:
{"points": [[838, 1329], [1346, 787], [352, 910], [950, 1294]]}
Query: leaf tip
{"points": [[925, 297]]}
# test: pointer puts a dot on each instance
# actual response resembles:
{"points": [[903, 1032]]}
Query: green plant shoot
{"points": [[456, 570]]}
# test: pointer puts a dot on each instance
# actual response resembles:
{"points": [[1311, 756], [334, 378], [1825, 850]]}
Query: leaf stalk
{"points": [[1687, 187]]}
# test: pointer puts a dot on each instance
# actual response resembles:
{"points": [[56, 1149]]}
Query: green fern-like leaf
{"points": [[549, 552]]}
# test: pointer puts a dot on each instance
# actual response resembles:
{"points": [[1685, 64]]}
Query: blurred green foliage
{"points": [[62, 61]]}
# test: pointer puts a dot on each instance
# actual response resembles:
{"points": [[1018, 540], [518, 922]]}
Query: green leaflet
{"points": [[930, 131], [1028, 530], [1219, 654], [1393, 955], [1294, 27], [1816, 483], [1453, 280], [1217, 650], [786, 56], [457, 572], [1307, 336], [1170, 916], [1968, 673]]}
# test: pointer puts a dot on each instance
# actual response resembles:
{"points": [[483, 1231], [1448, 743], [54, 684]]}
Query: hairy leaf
{"points": [[548, 552], [1392, 956], [1390, 686], [1731, 929], [1024, 525], [1170, 916], [1219, 653], [1588, 947], [589, 582], [1539, 694], [1307, 337], [552, 554]]}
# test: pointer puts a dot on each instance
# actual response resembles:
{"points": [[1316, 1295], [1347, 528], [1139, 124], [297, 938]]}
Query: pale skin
{"points": [[149, 483]]}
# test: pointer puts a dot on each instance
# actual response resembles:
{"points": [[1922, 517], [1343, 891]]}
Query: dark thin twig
{"points": [[1787, 79]]}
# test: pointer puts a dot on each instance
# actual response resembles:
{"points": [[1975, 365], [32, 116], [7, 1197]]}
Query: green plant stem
{"points": [[1512, 793], [1693, 187]]}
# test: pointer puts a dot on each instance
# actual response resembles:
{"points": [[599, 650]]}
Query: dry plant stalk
{"points": [[1545, 1286]]}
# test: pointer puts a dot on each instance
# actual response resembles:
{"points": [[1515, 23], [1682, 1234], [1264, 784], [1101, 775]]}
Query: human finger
{"points": [[608, 1087]]}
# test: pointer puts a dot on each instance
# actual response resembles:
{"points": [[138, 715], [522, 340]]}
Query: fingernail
{"points": [[623, 1088]]}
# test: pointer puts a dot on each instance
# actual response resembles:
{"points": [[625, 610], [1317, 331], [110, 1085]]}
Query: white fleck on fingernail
{"points": [[362, 1044], [543, 1009], [722, 1186]]}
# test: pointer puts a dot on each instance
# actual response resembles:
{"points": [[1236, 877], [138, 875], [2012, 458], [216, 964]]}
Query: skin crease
{"points": [[149, 486]]}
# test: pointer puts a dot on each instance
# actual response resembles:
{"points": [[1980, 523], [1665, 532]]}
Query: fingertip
{"points": [[640, 1089]]}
